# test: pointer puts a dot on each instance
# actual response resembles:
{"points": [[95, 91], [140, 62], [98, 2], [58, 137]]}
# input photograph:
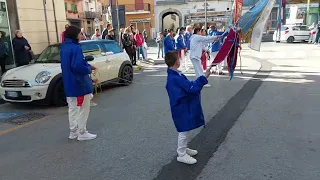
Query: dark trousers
{"points": [[134, 56], [129, 52], [3, 65]]}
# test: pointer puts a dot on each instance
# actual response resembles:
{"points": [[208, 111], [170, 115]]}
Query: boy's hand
{"points": [[208, 72]]}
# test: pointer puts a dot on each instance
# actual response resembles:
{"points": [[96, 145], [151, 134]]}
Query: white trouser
{"points": [[197, 67], [220, 66], [79, 112], [184, 59], [182, 143]]}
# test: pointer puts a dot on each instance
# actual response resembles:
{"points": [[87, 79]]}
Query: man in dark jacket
{"points": [[77, 84], [21, 49], [106, 30], [110, 35], [3, 53]]}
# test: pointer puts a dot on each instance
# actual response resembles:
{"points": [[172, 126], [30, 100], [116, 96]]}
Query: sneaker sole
{"points": [[72, 138], [186, 162], [86, 139]]}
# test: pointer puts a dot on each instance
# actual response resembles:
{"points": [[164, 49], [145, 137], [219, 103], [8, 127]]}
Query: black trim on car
{"points": [[51, 86], [122, 66]]}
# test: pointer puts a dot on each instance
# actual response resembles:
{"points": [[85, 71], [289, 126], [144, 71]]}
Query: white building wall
{"points": [[190, 7]]}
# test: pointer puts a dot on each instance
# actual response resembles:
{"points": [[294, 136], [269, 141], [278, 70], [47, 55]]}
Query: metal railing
{"points": [[90, 15], [138, 7]]}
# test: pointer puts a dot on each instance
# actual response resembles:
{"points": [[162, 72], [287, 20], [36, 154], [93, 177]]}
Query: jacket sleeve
{"points": [[207, 39], [192, 87], [180, 42], [17, 46], [79, 65]]}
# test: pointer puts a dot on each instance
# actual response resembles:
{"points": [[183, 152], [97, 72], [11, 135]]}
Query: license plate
{"points": [[12, 94]]}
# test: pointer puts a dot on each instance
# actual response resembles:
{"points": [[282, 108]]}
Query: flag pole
{"points": [[205, 14]]}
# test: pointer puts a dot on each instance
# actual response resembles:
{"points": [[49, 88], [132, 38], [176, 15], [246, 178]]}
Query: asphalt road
{"points": [[261, 125]]}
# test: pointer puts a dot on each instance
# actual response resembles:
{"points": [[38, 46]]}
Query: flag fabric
{"points": [[257, 31], [237, 10], [249, 19]]}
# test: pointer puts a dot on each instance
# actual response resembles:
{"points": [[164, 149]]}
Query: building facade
{"points": [[41, 22], [171, 14], [92, 16]]}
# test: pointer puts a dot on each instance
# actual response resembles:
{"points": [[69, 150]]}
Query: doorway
{"points": [[5, 31]]}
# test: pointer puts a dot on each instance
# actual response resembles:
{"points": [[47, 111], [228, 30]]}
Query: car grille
{"points": [[15, 83]]}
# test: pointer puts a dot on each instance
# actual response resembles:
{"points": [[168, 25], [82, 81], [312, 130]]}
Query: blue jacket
{"points": [[185, 100], [215, 46], [187, 37], [169, 44], [180, 44], [75, 70]]}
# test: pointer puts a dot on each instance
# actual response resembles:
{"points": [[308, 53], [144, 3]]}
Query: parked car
{"points": [[293, 33], [42, 80]]}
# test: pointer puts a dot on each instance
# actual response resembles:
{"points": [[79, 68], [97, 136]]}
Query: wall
{"points": [[79, 8], [168, 21], [32, 22], [188, 8]]}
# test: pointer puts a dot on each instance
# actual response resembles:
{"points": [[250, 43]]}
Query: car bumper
{"points": [[34, 93]]}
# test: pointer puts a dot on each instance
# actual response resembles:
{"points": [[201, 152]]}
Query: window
{"points": [[66, 6], [50, 55], [112, 47], [74, 8], [303, 28], [92, 50]]}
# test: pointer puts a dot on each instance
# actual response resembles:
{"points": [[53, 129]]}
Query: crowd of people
{"points": [[180, 41]]}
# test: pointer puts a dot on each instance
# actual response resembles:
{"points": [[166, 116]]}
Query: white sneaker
{"points": [[73, 135], [92, 104], [86, 136], [207, 85], [192, 152], [187, 159]]}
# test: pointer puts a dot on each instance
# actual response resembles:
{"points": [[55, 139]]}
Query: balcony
{"points": [[91, 15], [139, 8], [170, 2]]}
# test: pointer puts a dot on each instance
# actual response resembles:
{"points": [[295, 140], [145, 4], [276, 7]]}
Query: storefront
{"points": [[5, 30]]}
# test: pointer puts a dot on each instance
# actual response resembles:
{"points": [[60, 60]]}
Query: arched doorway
{"points": [[170, 19]]}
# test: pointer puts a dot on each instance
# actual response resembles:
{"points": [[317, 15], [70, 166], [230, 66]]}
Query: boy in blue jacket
{"points": [[169, 43], [185, 103]]}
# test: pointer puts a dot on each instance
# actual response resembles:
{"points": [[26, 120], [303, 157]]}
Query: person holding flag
{"points": [[215, 48]]}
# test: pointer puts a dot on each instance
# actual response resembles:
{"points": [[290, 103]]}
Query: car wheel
{"points": [[59, 96], [126, 75], [290, 39]]}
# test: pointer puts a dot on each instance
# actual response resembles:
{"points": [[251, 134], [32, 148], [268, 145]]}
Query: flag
{"points": [[256, 36], [237, 10], [249, 19]]}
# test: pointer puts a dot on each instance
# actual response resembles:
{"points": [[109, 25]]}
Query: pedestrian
{"points": [[77, 84], [62, 34], [22, 49], [181, 45], [3, 53], [196, 47], [127, 43], [169, 42], [133, 50], [185, 103], [83, 35], [204, 51], [121, 37], [215, 48], [106, 31], [165, 32], [145, 35], [110, 35], [139, 40], [160, 41], [133, 29], [96, 35]]}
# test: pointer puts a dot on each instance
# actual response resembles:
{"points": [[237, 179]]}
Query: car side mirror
{"points": [[89, 58]]}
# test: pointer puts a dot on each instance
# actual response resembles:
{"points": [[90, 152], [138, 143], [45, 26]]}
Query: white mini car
{"points": [[293, 33], [42, 80]]}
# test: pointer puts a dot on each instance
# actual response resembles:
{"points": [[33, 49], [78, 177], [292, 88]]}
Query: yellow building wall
{"points": [[33, 25]]}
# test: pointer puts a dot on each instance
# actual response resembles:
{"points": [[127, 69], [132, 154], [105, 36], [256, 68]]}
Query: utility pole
{"points": [[308, 9], [205, 14], [118, 21]]}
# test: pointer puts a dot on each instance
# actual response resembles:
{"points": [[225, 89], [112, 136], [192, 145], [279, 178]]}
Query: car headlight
{"points": [[43, 77]]}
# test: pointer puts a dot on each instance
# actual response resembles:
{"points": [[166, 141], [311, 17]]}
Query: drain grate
{"points": [[24, 118]]}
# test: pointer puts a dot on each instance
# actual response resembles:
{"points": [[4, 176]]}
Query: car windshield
{"points": [[50, 55], [284, 28]]}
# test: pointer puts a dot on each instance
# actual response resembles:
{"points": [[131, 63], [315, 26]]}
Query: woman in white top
{"points": [[96, 35]]}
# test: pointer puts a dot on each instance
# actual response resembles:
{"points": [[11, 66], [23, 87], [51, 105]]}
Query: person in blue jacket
{"points": [[78, 85], [169, 44], [185, 103], [215, 48], [187, 36], [180, 42]]}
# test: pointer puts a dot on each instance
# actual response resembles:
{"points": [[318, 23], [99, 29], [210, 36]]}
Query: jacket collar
{"points": [[68, 40], [173, 71]]}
